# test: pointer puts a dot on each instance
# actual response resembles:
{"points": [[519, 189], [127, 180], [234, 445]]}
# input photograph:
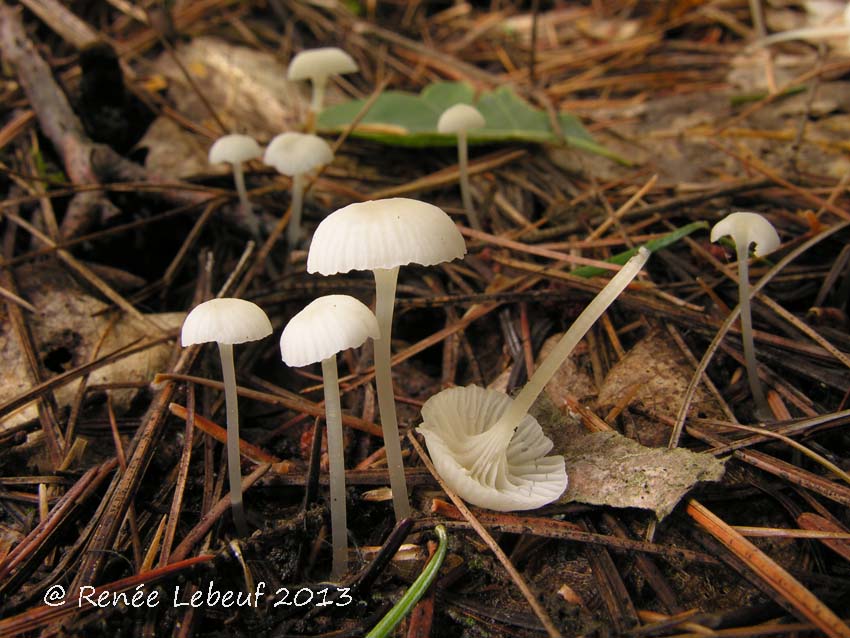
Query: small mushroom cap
{"points": [[746, 229], [320, 63], [455, 423], [225, 320], [324, 327], [384, 233], [297, 153], [460, 117], [234, 148]]}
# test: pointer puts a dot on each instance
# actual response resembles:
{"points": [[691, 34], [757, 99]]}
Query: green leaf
{"points": [[656, 244], [400, 118], [394, 616]]}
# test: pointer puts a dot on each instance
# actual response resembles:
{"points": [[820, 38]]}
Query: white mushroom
{"points": [[295, 155], [326, 326], [317, 65], [236, 149], [380, 236], [746, 229], [228, 321], [487, 447], [459, 119]]}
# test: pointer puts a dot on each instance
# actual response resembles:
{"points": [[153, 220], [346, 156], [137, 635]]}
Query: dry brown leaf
{"points": [[66, 329], [663, 373]]}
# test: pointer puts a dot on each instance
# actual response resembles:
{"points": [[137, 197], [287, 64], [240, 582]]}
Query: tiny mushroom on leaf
{"points": [[317, 65], [323, 328], [228, 321], [236, 149], [459, 119], [487, 447], [746, 229], [295, 155], [380, 236]]}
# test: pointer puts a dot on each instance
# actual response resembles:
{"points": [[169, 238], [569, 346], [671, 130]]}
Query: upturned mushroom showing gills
{"points": [[317, 65], [746, 229], [235, 149], [487, 447], [228, 321], [326, 326], [295, 155], [459, 119], [380, 236]]}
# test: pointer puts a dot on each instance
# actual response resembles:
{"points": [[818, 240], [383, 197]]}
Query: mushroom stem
{"points": [[239, 179], [336, 453], [293, 231], [465, 194], [762, 409], [234, 466], [522, 403], [385, 284]]}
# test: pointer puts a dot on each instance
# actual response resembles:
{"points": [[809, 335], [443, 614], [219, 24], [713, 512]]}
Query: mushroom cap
{"points": [[384, 233], [297, 153], [234, 148], [460, 117], [225, 320], [455, 423], [324, 327], [320, 63], [746, 229]]}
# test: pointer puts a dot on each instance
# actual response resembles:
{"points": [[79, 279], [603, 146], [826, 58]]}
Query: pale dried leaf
{"points": [[606, 468]]}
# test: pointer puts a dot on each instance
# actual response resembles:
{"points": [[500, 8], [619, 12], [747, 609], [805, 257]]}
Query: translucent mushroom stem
{"points": [[809, 33], [239, 180], [742, 250], [234, 465], [293, 230], [336, 454], [520, 406], [465, 193], [385, 284]]}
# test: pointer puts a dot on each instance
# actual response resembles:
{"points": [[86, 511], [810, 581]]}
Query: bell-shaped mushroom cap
{"points": [[324, 327], [234, 148], [746, 229], [297, 153], [225, 320], [455, 426], [322, 62], [460, 117], [384, 233]]}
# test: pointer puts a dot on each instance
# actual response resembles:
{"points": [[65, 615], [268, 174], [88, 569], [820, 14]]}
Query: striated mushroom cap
{"points": [[234, 148], [297, 153], [746, 229], [322, 62], [455, 426], [324, 327], [226, 320], [384, 233]]}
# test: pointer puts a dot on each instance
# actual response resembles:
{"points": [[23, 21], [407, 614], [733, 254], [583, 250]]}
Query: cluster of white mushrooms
{"points": [[485, 445]]}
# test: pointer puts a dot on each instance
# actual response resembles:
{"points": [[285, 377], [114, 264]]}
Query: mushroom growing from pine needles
{"points": [[745, 229], [295, 155], [323, 328], [228, 321], [235, 149], [317, 65], [380, 236], [459, 119], [487, 447]]}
